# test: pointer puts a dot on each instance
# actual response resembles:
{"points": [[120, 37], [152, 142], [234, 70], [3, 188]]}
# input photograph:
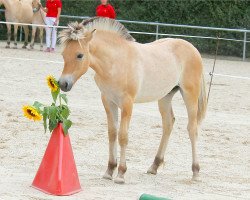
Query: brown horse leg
{"points": [[26, 33], [126, 112], [9, 36], [32, 43], [41, 38], [190, 96], [112, 118], [165, 108], [15, 36]]}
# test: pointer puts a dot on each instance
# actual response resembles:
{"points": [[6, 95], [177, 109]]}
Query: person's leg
{"points": [[54, 37], [48, 33]]}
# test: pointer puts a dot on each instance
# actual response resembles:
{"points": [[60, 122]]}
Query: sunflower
{"points": [[52, 83], [31, 113]]}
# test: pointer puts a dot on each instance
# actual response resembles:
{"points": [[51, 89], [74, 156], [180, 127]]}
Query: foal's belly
{"points": [[153, 91], [149, 97], [157, 80]]}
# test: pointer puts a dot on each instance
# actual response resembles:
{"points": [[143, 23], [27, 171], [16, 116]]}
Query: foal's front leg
{"points": [[126, 112], [112, 118]]}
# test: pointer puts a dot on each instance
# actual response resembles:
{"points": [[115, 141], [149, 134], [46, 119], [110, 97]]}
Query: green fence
{"points": [[228, 14]]}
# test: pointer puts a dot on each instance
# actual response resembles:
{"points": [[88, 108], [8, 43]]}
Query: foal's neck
{"points": [[103, 48]]}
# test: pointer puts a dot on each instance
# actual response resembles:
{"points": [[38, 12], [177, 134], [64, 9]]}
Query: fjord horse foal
{"points": [[128, 72], [17, 11]]}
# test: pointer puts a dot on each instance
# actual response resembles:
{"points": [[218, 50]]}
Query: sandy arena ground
{"points": [[224, 139]]}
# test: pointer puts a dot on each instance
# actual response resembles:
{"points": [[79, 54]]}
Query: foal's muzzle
{"points": [[66, 83], [35, 10]]}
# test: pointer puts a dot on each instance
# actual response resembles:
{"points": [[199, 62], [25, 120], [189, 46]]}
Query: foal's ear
{"points": [[90, 35]]}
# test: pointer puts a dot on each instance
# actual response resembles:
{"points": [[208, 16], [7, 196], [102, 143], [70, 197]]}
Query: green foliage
{"points": [[227, 14], [55, 95], [54, 114], [223, 13]]}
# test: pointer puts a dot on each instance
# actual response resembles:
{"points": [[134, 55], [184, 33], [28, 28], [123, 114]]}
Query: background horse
{"points": [[128, 72], [38, 18], [19, 11]]}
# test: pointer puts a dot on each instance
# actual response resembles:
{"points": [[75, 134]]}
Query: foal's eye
{"points": [[79, 56]]}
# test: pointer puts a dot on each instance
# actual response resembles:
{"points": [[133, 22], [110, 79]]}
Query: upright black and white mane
{"points": [[76, 31]]}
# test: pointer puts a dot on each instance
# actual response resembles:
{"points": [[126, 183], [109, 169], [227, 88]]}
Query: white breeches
{"points": [[51, 33]]}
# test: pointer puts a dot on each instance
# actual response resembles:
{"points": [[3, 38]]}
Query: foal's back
{"points": [[161, 66], [22, 11]]}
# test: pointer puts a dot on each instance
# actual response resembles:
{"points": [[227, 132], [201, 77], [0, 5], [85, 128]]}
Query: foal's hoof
{"points": [[15, 47], [196, 178], [7, 46], [107, 176], [24, 47], [119, 180], [152, 170]]}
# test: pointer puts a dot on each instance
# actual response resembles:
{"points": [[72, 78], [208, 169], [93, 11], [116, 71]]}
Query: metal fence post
{"points": [[157, 32], [244, 46], [21, 33]]}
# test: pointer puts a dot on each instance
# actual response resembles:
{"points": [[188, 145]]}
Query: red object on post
{"points": [[57, 174]]}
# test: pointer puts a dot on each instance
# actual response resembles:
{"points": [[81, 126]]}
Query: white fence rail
{"points": [[61, 62], [157, 33]]}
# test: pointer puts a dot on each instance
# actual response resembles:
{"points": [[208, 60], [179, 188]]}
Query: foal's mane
{"points": [[76, 31]]}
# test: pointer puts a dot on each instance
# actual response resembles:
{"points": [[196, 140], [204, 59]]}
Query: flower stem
{"points": [[60, 101]]}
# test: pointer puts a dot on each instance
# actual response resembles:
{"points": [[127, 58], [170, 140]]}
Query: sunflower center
{"points": [[30, 113], [52, 83]]}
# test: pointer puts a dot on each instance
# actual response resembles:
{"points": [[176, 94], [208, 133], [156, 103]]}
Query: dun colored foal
{"points": [[128, 72]]}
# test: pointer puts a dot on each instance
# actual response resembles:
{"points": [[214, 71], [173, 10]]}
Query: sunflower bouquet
{"points": [[53, 114]]}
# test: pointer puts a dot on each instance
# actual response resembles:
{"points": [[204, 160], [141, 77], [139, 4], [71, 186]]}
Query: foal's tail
{"points": [[202, 102]]}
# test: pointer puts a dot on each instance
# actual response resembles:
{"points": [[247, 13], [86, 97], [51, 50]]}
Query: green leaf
{"points": [[65, 111], [66, 125], [45, 117], [53, 111], [52, 125], [55, 95], [64, 97], [37, 104]]}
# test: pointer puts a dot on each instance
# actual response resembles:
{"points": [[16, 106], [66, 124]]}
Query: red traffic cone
{"points": [[57, 174]]}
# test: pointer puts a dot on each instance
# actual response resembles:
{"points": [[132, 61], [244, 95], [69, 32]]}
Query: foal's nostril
{"points": [[66, 85]]}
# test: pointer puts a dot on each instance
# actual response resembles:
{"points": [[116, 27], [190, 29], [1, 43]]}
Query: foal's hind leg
{"points": [[33, 36], [112, 117], [26, 33], [9, 36], [165, 108], [15, 36], [41, 38], [190, 96]]}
